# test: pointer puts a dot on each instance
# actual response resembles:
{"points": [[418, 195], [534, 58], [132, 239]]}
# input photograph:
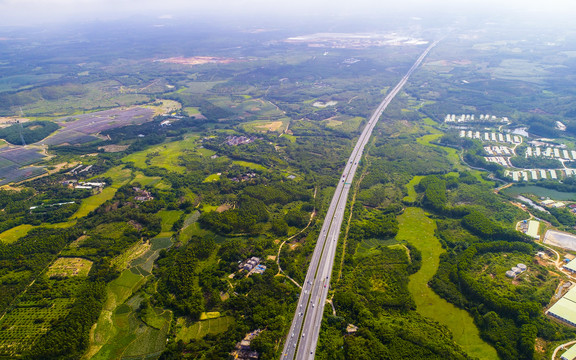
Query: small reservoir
{"points": [[539, 191]]}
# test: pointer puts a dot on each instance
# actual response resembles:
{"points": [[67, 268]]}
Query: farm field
{"points": [[250, 165], [264, 126], [119, 177], [169, 217], [165, 156], [144, 180], [254, 108], [213, 177], [23, 325], [344, 123], [143, 264], [133, 338], [78, 129], [14, 161], [96, 95], [91, 203], [199, 87], [66, 267], [11, 235], [199, 329], [121, 261], [119, 333], [417, 229], [118, 291], [165, 107], [19, 82], [193, 229], [163, 185], [191, 111]]}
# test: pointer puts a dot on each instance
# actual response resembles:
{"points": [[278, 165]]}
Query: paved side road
{"points": [[303, 335]]}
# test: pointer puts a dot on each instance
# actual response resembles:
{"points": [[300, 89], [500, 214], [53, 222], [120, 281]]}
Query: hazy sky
{"points": [[31, 12]]}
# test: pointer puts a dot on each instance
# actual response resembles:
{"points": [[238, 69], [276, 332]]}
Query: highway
{"points": [[303, 335]]}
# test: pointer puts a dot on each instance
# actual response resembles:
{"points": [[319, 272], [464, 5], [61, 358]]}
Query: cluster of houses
{"points": [[556, 204], [252, 266], [551, 152], [350, 61], [142, 195], [51, 205], [491, 136], [80, 169], [242, 349], [246, 177], [536, 174], [89, 185], [516, 270], [233, 140], [453, 118]]}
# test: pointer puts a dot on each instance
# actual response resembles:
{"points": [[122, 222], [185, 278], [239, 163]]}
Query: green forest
{"points": [[28, 132], [179, 234]]}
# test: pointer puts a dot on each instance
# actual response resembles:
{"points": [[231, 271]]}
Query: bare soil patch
{"points": [[11, 120], [66, 267], [113, 148], [78, 241], [196, 60], [223, 208], [271, 126]]}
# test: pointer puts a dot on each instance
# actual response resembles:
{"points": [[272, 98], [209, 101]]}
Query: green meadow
{"points": [[169, 217], [410, 188], [417, 229], [11, 235], [119, 177], [250, 165], [199, 329], [213, 177], [164, 156]]}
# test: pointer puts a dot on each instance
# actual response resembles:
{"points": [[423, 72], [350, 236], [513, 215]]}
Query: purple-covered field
{"points": [[20, 156], [76, 129], [69, 137], [13, 174], [11, 161]]}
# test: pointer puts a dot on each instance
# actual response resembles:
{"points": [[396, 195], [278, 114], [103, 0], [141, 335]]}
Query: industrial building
{"points": [[250, 264], [565, 308], [571, 266], [516, 270], [532, 230], [570, 354]]}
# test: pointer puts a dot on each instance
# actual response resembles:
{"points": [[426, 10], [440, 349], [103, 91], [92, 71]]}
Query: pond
{"points": [[540, 192]]}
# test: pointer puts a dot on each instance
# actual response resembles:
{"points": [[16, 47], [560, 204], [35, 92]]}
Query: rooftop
{"points": [[571, 266], [570, 354], [571, 295], [533, 226], [565, 308]]}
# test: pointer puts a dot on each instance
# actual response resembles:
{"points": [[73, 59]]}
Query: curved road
{"points": [[303, 335]]}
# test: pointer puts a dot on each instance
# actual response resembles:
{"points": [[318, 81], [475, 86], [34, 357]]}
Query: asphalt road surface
{"points": [[303, 336]]}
